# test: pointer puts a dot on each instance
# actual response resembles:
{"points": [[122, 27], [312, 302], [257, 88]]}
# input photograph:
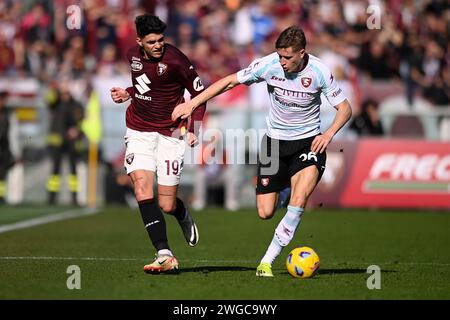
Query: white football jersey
{"points": [[294, 97]]}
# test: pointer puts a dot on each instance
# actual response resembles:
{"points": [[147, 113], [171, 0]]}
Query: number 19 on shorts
{"points": [[173, 167]]}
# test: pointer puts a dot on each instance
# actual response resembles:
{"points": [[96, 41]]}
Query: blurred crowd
{"points": [[65, 43], [371, 40]]}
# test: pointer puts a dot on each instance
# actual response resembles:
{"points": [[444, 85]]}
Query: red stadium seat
{"points": [[408, 126]]}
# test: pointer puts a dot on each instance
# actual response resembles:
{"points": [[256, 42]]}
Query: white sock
{"points": [[165, 252], [272, 252], [283, 233]]}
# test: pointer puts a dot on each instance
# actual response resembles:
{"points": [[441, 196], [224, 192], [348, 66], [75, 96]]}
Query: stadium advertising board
{"points": [[340, 155], [386, 174], [399, 174]]}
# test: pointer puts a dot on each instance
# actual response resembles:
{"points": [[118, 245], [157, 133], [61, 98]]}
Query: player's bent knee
{"points": [[168, 208], [265, 213]]}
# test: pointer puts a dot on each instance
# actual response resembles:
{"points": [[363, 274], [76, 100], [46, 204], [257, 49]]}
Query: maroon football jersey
{"points": [[158, 87]]}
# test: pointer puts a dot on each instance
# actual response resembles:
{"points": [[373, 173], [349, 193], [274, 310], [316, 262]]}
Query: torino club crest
{"points": [[161, 68], [129, 158]]}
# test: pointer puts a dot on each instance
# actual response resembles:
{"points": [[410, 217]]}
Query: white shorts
{"points": [[155, 152]]}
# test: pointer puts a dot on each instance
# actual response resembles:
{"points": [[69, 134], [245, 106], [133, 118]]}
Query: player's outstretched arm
{"points": [[343, 114], [119, 95], [184, 110]]}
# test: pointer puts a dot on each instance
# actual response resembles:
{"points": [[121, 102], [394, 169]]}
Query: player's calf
{"points": [[186, 222]]}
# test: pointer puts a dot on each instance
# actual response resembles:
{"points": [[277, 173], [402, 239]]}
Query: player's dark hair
{"points": [[147, 23], [291, 37]]}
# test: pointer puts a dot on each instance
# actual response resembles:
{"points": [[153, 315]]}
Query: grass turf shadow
{"points": [[347, 271], [208, 269]]}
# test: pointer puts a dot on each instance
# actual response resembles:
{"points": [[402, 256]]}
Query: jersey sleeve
{"points": [[253, 73], [330, 88], [192, 82], [130, 91]]}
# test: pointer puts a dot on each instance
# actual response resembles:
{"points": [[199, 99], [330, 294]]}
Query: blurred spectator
{"points": [[187, 27], [374, 60], [263, 22], [412, 44], [215, 180], [7, 158], [411, 56], [6, 56], [36, 24], [125, 27], [438, 90], [41, 61], [65, 138], [118, 185], [243, 29], [367, 123], [220, 34], [108, 64]]}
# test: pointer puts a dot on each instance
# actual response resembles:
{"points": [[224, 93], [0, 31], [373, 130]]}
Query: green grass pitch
{"points": [[412, 249]]}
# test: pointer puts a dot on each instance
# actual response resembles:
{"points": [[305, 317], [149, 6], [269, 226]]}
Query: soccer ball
{"points": [[302, 262]]}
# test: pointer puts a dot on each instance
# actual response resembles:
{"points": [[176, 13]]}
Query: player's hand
{"points": [[320, 143], [191, 139], [119, 95], [183, 110]]}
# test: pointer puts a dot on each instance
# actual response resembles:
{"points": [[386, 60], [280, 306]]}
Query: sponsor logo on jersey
{"points": [[136, 66], [336, 93], [197, 84], [142, 97], [129, 158], [265, 181], [133, 58], [277, 79], [142, 83], [161, 69], [306, 81], [291, 104], [249, 69], [296, 94]]}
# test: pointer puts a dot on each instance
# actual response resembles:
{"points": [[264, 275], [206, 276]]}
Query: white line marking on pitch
{"points": [[206, 261], [70, 258], [47, 219]]}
